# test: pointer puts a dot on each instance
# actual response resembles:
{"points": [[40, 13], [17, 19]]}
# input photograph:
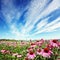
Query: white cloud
{"points": [[53, 22], [53, 27], [33, 15], [35, 12], [55, 4], [41, 24], [19, 34], [50, 27]]}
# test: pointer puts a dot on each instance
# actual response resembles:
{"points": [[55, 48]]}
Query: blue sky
{"points": [[29, 19]]}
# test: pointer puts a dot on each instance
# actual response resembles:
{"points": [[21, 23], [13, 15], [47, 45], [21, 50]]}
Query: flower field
{"points": [[30, 50]]}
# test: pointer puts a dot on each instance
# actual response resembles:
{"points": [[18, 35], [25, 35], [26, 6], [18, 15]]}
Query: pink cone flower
{"points": [[31, 55], [19, 56], [14, 54], [33, 45], [46, 52], [40, 42], [59, 44], [5, 51], [54, 43], [29, 49], [39, 52], [49, 46]]}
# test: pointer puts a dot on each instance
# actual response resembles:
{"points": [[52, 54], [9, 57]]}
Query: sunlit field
{"points": [[30, 50]]}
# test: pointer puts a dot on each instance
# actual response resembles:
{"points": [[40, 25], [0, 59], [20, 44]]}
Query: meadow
{"points": [[30, 50]]}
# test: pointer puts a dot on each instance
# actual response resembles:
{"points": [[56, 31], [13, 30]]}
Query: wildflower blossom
{"points": [[31, 55], [46, 52]]}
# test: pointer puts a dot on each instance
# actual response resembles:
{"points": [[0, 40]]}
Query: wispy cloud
{"points": [[41, 24], [50, 27], [53, 27], [53, 22], [37, 11], [34, 11]]}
